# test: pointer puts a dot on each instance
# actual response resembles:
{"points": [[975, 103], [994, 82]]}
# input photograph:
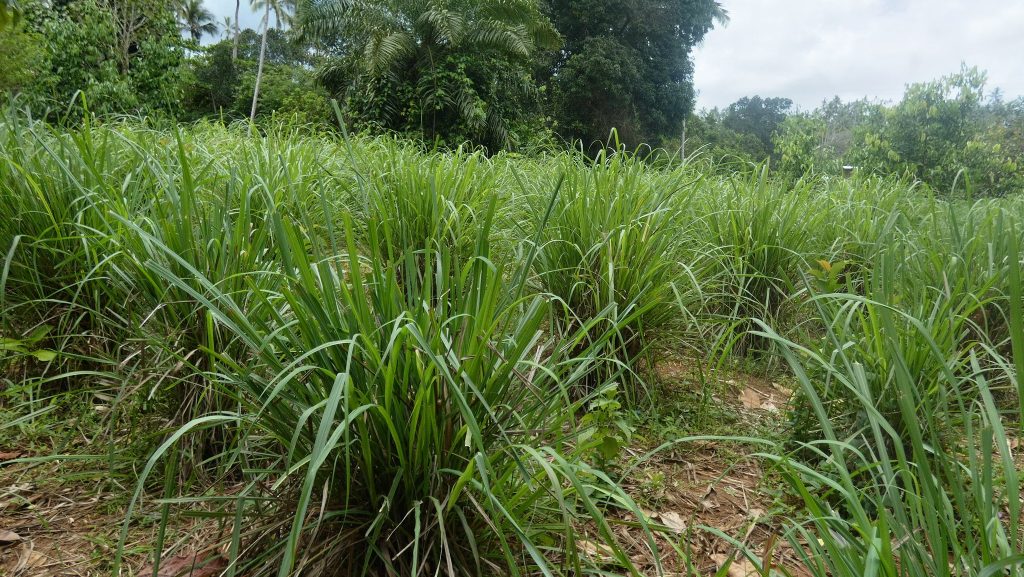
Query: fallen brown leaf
{"points": [[8, 455], [188, 566], [750, 399], [708, 500], [35, 559], [28, 558], [595, 551], [673, 521], [8, 537], [740, 567]]}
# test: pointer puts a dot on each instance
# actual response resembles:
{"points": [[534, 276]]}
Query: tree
{"points": [[759, 117], [283, 10], [626, 65], [196, 19], [25, 58], [708, 134], [149, 49], [213, 85], [291, 91], [121, 56], [942, 133], [228, 26], [945, 133], [843, 119], [222, 85], [803, 147], [282, 48], [449, 70]]}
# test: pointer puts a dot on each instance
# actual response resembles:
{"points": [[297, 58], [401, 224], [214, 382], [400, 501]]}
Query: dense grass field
{"points": [[308, 354]]}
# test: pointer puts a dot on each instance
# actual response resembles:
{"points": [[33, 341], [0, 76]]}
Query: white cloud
{"points": [[811, 50]]}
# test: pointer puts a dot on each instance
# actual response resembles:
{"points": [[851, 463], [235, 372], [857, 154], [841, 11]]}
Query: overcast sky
{"points": [[811, 50]]}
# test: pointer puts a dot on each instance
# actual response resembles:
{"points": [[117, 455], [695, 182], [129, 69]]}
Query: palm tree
{"points": [[405, 38], [228, 26], [397, 30], [196, 19], [281, 10], [263, 53]]}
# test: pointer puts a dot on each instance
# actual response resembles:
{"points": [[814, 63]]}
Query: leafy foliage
{"points": [[758, 117], [947, 133], [222, 85], [25, 58], [120, 56], [744, 130], [449, 71], [625, 65]]}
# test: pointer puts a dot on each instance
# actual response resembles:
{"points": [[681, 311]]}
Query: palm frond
{"points": [[384, 53], [494, 35], [443, 26]]}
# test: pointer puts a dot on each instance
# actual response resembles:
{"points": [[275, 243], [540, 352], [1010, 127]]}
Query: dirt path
{"points": [[703, 487]]}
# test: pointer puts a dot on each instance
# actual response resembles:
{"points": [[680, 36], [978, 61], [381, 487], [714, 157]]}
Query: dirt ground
{"points": [[702, 487]]}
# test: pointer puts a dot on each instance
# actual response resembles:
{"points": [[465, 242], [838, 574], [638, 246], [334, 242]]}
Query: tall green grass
{"points": [[607, 256], [377, 359], [913, 471], [408, 433]]}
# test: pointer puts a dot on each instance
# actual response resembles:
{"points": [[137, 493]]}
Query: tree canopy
{"points": [[121, 56], [948, 133], [448, 70], [626, 65]]}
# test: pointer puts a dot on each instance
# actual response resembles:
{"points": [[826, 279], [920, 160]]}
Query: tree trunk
{"points": [[234, 49], [259, 68]]}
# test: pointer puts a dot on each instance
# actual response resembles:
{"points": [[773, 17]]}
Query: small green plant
{"points": [[828, 276], [605, 431], [652, 487], [27, 346]]}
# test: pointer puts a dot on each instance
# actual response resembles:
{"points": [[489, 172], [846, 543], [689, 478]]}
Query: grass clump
{"points": [[404, 410], [914, 474], [607, 257]]}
